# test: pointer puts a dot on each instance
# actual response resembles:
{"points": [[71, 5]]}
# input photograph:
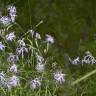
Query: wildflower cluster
{"points": [[21, 49], [7, 20], [8, 82], [87, 59]]}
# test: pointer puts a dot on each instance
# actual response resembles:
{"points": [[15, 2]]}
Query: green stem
{"points": [[46, 91], [83, 78]]}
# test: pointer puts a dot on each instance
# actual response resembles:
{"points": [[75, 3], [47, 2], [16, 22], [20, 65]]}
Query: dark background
{"points": [[71, 22]]}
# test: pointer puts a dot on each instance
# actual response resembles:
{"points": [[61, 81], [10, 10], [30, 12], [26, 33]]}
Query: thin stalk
{"points": [[83, 78], [55, 89], [3, 90], [46, 91], [33, 28]]}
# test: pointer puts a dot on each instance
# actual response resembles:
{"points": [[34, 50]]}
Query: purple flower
{"points": [[13, 68], [40, 63], [35, 83], [10, 36], [49, 39], [2, 79], [21, 50], [13, 82], [75, 61], [21, 42], [12, 12], [88, 58], [59, 77], [5, 20], [1, 46], [11, 8], [12, 58]]}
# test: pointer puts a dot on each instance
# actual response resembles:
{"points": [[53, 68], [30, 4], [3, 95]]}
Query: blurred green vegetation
{"points": [[71, 22]]}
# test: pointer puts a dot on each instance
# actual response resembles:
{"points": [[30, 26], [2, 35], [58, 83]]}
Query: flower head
{"points": [[13, 82], [21, 42], [39, 58], [88, 58], [1, 46], [75, 61], [12, 12], [59, 77], [40, 67], [5, 20], [13, 68], [13, 18], [10, 36], [37, 35], [11, 8], [40, 63], [49, 39], [12, 58], [32, 32], [35, 83], [2, 79], [21, 50]]}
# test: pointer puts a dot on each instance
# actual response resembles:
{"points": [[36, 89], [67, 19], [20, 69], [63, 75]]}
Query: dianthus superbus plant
{"points": [[26, 61]]}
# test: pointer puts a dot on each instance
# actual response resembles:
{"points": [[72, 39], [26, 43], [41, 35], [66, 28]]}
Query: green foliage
{"points": [[73, 24]]}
